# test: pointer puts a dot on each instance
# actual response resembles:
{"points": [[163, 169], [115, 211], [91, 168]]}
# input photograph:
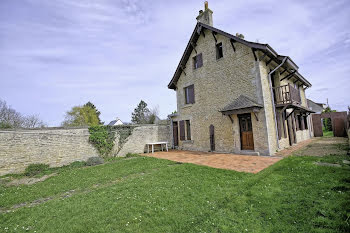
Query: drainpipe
{"points": [[273, 99]]}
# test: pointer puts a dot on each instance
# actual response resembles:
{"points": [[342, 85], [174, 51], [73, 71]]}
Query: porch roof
{"points": [[242, 104], [295, 107]]}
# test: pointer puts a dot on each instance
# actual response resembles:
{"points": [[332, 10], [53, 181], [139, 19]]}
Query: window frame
{"points": [[305, 122], [219, 48], [188, 99], [196, 63]]}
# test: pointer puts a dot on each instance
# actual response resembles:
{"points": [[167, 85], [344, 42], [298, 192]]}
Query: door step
{"points": [[249, 152]]}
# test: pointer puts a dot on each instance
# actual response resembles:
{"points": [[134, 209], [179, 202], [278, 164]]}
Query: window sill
{"points": [[188, 141], [186, 106], [195, 69]]}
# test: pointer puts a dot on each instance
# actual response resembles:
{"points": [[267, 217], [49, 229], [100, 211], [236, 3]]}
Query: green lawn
{"points": [[327, 133], [152, 195]]}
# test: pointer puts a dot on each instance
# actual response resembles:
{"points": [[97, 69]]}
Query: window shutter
{"points": [[284, 124], [191, 93], [278, 118], [182, 130], [199, 60]]}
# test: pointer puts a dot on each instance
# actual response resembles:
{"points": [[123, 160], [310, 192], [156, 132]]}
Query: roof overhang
{"points": [[302, 109], [266, 49], [241, 111]]}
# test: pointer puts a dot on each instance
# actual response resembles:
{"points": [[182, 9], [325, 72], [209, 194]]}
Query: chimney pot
{"points": [[205, 16]]}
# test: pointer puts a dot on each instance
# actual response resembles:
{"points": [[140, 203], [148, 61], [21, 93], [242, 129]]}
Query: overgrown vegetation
{"points": [[327, 122], [35, 169], [102, 137], [154, 195], [93, 161]]}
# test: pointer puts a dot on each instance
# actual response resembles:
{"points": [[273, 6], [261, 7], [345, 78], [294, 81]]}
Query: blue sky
{"points": [[55, 54]]}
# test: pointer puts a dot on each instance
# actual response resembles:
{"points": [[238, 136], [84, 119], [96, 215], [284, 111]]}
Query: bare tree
{"points": [[10, 118], [153, 115], [33, 121]]}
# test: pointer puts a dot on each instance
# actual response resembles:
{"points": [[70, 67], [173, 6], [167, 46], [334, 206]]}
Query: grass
{"points": [[143, 194], [327, 133]]}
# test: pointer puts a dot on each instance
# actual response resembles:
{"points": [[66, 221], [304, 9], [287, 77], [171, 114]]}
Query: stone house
{"points": [[236, 96], [116, 122]]}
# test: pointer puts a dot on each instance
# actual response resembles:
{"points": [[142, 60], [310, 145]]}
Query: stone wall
{"points": [[56, 147], [59, 146], [136, 142]]}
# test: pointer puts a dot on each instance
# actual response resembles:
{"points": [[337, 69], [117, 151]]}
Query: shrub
{"points": [[93, 161], [35, 169], [102, 137]]}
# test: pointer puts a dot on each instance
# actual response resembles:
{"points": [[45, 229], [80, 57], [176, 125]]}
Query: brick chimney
{"points": [[205, 16]]}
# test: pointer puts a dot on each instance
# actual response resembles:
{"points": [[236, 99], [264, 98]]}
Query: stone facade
{"points": [[219, 82], [59, 146]]}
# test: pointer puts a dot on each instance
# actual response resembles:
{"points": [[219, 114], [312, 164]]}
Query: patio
{"points": [[241, 163]]}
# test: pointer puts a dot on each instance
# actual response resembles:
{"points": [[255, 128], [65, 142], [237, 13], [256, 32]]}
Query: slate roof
{"points": [[271, 53], [113, 122], [240, 103]]}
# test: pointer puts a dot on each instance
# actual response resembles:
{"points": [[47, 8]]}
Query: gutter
{"points": [[273, 100]]}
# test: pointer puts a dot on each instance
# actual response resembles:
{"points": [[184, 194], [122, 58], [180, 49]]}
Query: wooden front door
{"points": [[212, 138], [247, 139], [175, 133]]}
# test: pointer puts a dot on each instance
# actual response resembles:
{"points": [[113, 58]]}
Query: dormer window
{"points": [[197, 61], [219, 52]]}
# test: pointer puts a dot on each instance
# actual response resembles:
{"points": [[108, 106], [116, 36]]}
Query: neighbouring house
{"points": [[115, 122], [236, 96], [316, 107]]}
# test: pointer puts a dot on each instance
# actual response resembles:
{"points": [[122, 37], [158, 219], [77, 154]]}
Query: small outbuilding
{"points": [[115, 122]]}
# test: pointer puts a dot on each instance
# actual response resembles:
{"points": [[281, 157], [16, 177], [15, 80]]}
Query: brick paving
{"points": [[241, 163]]}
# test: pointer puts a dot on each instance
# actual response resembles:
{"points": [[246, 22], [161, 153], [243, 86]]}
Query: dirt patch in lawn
{"points": [[324, 146], [29, 180]]}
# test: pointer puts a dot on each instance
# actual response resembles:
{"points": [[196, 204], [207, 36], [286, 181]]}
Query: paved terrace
{"points": [[241, 163]]}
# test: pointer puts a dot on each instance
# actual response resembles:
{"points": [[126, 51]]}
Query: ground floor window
{"points": [[299, 122], [185, 130], [188, 129], [182, 131], [305, 122]]}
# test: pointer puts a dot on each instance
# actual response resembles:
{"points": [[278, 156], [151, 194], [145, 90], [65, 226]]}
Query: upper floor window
{"points": [[197, 61], [189, 94], [219, 52]]}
